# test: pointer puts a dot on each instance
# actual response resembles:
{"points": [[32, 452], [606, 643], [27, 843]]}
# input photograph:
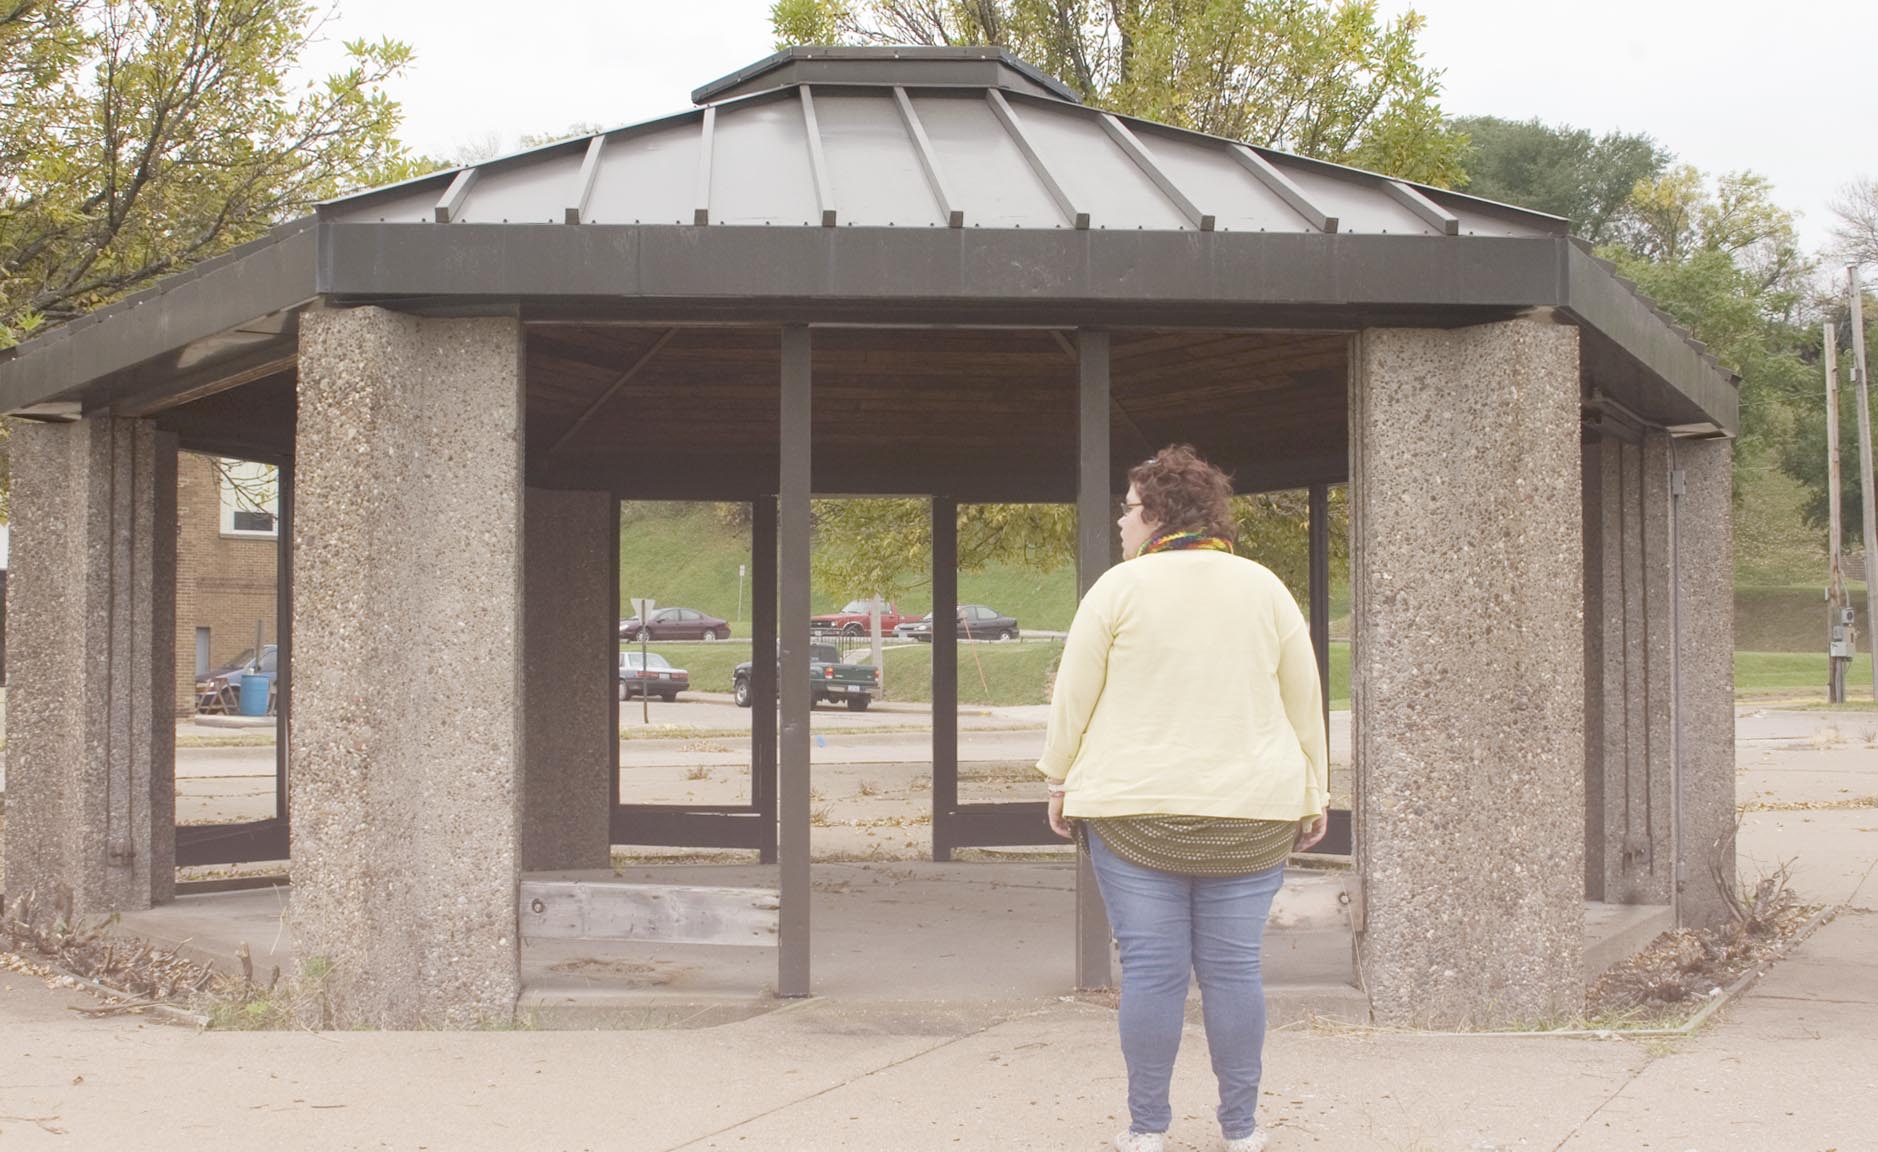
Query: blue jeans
{"points": [[1169, 927]]}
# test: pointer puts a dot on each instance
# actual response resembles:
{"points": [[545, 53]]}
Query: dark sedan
{"points": [[654, 677], [676, 624], [976, 622]]}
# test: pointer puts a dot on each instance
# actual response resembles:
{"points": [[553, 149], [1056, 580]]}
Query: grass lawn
{"points": [[1795, 674], [989, 673], [710, 664], [1339, 673]]}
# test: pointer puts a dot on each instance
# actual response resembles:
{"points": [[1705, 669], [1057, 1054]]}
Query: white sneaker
{"points": [[1252, 1143], [1129, 1140]]}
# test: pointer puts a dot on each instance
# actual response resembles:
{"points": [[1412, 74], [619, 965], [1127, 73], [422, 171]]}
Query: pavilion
{"points": [[922, 272]]}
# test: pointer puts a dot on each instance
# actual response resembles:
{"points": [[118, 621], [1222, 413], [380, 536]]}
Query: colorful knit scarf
{"points": [[1185, 541]]}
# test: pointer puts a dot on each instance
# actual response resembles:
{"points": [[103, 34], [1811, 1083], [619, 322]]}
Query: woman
{"points": [[1187, 744]]}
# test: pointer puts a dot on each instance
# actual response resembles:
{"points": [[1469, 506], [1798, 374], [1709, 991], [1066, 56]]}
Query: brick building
{"points": [[226, 540]]}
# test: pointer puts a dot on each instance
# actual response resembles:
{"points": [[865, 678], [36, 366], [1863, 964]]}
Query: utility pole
{"points": [[1840, 638], [1863, 381]]}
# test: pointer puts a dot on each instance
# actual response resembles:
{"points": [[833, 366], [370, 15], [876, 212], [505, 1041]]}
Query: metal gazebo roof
{"points": [[912, 185], [925, 153]]}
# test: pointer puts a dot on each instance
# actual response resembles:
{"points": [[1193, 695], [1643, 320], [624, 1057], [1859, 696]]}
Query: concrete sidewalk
{"points": [[987, 1057], [1791, 1066]]}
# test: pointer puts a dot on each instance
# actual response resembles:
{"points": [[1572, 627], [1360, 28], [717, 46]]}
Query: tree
{"points": [[1803, 455], [1559, 169], [1325, 80], [1724, 259], [864, 547], [1857, 230], [142, 136]]}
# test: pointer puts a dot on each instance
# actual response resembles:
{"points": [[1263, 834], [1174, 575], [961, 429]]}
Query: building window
{"points": [[250, 498]]}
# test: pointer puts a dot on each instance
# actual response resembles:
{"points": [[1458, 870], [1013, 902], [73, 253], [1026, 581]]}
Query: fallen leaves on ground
{"points": [[1680, 970]]}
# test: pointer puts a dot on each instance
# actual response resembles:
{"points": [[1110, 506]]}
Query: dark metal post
{"points": [[792, 978], [1591, 464], [1094, 528], [945, 675], [283, 639], [763, 670], [1320, 590], [614, 799]]}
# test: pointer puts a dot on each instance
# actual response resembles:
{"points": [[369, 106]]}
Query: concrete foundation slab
{"points": [[1616, 932]]}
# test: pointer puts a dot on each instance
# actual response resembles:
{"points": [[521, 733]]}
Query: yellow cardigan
{"points": [[1188, 686]]}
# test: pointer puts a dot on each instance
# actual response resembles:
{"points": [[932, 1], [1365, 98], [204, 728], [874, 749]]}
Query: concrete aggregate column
{"points": [[569, 672], [407, 725], [91, 605], [1705, 655], [1468, 672]]}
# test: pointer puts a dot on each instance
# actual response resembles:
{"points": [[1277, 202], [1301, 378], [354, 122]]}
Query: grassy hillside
{"points": [[1774, 547], [1780, 568], [682, 554]]}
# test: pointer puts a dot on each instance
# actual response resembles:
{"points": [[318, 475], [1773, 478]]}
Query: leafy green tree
{"points": [[1330, 80], [1803, 454], [1559, 169], [1723, 258], [141, 136], [863, 547]]}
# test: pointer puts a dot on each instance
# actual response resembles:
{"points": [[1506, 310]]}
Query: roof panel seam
{"points": [[1268, 174], [1137, 152], [1440, 218], [928, 160], [1007, 116], [583, 184], [701, 196], [450, 207], [818, 167]]}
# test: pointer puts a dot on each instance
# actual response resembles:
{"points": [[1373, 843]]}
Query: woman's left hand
{"points": [[1311, 829], [1059, 825]]}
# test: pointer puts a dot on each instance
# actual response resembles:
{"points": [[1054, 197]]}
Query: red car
{"points": [[676, 624], [854, 618]]}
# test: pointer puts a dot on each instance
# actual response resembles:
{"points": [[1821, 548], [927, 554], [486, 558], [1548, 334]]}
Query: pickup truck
{"points": [[852, 619], [829, 680]]}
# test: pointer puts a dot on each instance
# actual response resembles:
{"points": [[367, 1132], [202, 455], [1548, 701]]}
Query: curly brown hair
{"points": [[1183, 493]]}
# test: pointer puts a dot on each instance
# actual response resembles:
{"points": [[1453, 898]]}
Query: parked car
{"points": [[829, 680], [655, 676], [220, 690], [676, 624], [854, 619], [976, 622]]}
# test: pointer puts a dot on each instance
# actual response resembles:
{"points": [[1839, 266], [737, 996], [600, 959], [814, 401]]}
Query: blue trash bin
{"points": [[254, 690]]}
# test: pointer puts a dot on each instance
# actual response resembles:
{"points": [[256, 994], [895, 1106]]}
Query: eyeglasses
{"points": [[1129, 506]]}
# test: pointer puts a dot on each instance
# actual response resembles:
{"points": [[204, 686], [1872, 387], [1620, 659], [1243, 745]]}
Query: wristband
{"points": [[1057, 787]]}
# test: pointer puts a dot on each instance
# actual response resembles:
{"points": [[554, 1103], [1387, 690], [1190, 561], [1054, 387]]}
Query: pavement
{"points": [[951, 1036]]}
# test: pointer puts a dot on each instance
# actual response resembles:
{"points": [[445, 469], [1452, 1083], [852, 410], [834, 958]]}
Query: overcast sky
{"points": [[1725, 84]]}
